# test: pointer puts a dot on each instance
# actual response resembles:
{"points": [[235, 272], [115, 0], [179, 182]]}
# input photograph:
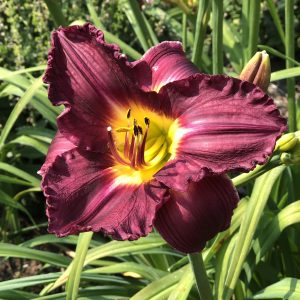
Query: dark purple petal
{"points": [[58, 146], [85, 194], [162, 64], [226, 124], [92, 78], [189, 219]]}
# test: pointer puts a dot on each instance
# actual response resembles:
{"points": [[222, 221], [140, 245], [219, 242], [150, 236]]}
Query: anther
{"points": [[136, 130], [141, 151], [140, 130], [126, 143], [128, 113]]}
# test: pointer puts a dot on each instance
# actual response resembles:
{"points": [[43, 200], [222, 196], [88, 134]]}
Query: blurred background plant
{"points": [[257, 258]]}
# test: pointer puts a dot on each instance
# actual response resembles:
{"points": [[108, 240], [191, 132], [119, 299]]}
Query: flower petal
{"points": [[83, 193], [225, 125], [89, 76], [58, 146], [189, 219], [162, 64]]}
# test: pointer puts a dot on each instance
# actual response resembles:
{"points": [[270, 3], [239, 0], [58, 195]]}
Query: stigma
{"points": [[133, 151]]}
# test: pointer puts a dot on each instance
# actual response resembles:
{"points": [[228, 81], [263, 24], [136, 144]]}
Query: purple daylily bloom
{"points": [[148, 143]]}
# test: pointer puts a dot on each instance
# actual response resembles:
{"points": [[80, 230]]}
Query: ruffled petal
{"points": [[190, 219], [225, 124], [84, 193], [162, 64], [58, 146], [90, 77]]}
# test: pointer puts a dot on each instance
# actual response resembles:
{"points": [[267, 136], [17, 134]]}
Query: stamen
{"points": [[140, 130], [113, 148], [126, 143], [134, 147], [130, 152], [147, 121], [141, 153]]}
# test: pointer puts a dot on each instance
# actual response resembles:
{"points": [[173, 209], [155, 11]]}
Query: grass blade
{"points": [[20, 173], [276, 19], [201, 25], [260, 194], [254, 20], [18, 109], [217, 36], [290, 52], [287, 288], [274, 52], [74, 278], [109, 37], [9, 250], [56, 12], [138, 22], [286, 73]]}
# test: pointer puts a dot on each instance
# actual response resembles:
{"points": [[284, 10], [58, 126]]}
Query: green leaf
{"points": [[40, 100], [182, 289], [201, 25], [138, 23], [114, 248], [75, 272], [5, 75], [13, 295], [286, 217], [27, 281], [29, 141], [275, 16], [52, 239], [8, 201], [24, 100], [109, 36], [260, 194], [161, 288], [287, 288], [56, 12], [20, 173], [277, 53], [286, 73], [13, 180], [131, 267], [10, 250]]}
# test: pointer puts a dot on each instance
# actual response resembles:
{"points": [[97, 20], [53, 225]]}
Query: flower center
{"points": [[142, 147]]}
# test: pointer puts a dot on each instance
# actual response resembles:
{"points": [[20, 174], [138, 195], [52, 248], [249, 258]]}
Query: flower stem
{"points": [[201, 279]]}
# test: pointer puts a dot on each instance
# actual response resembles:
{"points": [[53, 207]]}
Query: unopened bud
{"points": [[258, 70], [290, 158], [289, 144], [286, 142]]}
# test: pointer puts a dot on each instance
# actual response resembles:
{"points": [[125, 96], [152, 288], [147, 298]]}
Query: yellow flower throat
{"points": [[142, 147]]}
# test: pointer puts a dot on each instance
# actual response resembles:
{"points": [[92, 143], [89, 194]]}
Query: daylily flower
{"points": [[148, 143]]}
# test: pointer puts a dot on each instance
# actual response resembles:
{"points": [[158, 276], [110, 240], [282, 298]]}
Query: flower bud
{"points": [[289, 144], [258, 70], [290, 158], [286, 142]]}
